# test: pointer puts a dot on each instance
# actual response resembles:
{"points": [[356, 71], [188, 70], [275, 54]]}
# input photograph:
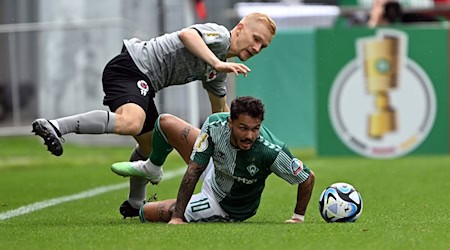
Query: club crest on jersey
{"points": [[252, 169], [296, 166], [211, 75], [201, 143], [143, 86]]}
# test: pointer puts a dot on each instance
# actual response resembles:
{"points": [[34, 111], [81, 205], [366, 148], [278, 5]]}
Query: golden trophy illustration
{"points": [[381, 65]]}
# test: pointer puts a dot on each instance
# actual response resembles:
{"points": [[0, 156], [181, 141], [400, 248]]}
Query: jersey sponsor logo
{"points": [[252, 169], [211, 36], [296, 166], [245, 180], [143, 86], [201, 144]]}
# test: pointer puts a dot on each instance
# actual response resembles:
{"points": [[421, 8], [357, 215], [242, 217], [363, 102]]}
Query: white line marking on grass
{"points": [[83, 195]]}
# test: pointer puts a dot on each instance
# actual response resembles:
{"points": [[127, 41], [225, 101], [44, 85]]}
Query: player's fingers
{"points": [[245, 73], [243, 69], [176, 222], [236, 71], [246, 68], [294, 220], [240, 70]]}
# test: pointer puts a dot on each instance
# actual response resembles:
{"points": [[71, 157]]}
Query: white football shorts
{"points": [[203, 207]]}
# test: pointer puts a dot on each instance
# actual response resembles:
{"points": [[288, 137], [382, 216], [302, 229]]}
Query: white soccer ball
{"points": [[340, 202]]}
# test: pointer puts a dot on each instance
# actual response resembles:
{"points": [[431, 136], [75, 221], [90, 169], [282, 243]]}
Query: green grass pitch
{"points": [[406, 205]]}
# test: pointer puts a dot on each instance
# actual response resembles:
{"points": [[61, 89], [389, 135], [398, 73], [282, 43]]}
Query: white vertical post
{"points": [[14, 78], [193, 107]]}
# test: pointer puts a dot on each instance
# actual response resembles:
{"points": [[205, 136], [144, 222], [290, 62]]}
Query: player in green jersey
{"points": [[233, 153], [144, 67]]}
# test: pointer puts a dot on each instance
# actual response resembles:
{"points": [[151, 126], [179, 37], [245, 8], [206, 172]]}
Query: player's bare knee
{"points": [[166, 121], [130, 119], [129, 126], [133, 128]]}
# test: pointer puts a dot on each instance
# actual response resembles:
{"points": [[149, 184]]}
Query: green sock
{"points": [[161, 148]]}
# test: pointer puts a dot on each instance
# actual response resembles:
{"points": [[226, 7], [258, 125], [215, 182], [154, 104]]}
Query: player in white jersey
{"points": [[131, 79], [243, 152]]}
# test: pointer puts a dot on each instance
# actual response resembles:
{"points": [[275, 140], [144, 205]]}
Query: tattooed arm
{"points": [[186, 190]]}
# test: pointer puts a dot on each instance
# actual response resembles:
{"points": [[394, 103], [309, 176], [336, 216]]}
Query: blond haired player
{"points": [[132, 78]]}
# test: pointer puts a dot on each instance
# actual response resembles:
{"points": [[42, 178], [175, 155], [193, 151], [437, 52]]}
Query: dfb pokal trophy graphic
{"points": [[381, 70], [382, 104]]}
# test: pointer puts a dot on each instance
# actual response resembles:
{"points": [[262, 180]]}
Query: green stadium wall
{"points": [[295, 78], [284, 78]]}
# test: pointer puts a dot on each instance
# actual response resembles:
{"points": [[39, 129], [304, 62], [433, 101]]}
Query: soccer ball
{"points": [[340, 202]]}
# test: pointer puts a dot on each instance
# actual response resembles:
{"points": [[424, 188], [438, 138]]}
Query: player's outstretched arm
{"points": [[195, 44], [304, 192], [186, 190]]}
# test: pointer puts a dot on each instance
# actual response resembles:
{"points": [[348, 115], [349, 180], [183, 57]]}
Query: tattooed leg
{"points": [[159, 211], [179, 134], [185, 133]]}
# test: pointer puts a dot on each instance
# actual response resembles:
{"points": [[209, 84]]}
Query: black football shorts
{"points": [[124, 83]]}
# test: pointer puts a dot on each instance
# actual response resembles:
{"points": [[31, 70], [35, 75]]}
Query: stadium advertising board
{"points": [[382, 93]]}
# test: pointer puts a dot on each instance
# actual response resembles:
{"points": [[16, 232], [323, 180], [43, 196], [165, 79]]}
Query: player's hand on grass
{"points": [[176, 221], [293, 220], [232, 67], [296, 218]]}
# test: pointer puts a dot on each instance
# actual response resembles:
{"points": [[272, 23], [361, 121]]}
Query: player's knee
{"points": [[134, 128], [130, 119], [165, 121], [130, 125]]}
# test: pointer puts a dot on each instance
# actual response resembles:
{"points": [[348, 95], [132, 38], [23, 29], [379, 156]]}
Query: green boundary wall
{"points": [[284, 78]]}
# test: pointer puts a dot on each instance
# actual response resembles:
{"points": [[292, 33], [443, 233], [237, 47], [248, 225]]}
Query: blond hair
{"points": [[260, 17]]}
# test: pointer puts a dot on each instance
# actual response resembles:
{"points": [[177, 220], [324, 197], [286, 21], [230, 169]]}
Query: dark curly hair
{"points": [[247, 105]]}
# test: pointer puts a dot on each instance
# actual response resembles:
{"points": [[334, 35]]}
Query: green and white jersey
{"points": [[239, 175], [166, 61]]}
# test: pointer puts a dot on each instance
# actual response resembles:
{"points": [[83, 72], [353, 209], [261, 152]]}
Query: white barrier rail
{"points": [[11, 30]]}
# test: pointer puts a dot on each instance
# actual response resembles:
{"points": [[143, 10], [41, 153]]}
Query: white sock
{"points": [[55, 123], [137, 193], [136, 203], [149, 165]]}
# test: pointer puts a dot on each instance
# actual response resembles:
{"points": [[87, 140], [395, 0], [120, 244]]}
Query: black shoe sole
{"points": [[51, 141]]}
